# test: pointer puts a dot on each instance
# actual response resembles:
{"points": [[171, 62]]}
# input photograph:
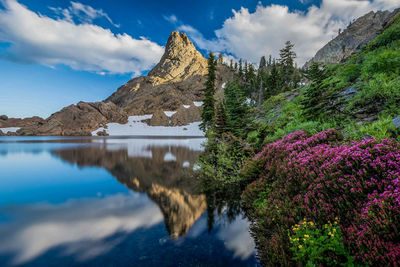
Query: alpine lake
{"points": [[110, 201]]}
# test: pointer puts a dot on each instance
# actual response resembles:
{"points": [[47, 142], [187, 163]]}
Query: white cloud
{"points": [[36, 38], [251, 35], [172, 18], [83, 13]]}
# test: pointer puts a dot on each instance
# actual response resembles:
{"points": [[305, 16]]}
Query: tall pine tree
{"points": [[208, 112], [314, 94], [287, 56]]}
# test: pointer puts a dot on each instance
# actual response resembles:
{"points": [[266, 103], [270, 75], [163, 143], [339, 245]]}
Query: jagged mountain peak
{"points": [[180, 60]]}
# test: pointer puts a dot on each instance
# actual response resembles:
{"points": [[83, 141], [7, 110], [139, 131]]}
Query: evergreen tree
{"points": [[220, 59], [236, 108], [231, 64], [221, 118], [287, 56], [240, 68], [263, 63], [273, 81], [236, 67], [314, 94], [246, 72], [208, 112]]}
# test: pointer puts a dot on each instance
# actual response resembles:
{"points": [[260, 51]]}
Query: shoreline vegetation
{"points": [[312, 156]]}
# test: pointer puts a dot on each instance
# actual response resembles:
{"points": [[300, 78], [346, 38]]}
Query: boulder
{"points": [[3, 117], [185, 116], [159, 119], [396, 122]]}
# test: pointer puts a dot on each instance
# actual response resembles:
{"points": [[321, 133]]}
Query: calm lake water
{"points": [[111, 202]]}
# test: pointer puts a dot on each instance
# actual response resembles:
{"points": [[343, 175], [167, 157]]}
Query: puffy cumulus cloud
{"points": [[250, 35], [35, 38]]}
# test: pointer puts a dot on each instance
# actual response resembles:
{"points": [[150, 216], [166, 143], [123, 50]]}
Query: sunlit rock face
{"points": [[359, 33], [177, 80], [180, 61], [80, 119], [163, 173]]}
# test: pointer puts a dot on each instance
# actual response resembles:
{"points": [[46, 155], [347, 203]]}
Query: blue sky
{"points": [[54, 53]]}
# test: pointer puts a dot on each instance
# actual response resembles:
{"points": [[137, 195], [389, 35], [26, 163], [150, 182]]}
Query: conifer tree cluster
{"points": [[250, 86]]}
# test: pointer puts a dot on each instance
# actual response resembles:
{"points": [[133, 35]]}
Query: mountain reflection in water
{"points": [[156, 171], [70, 211]]}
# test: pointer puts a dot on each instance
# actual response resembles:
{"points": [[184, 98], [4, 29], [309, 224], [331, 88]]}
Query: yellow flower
{"points": [[311, 223], [304, 239], [326, 226], [336, 218], [334, 229], [300, 246], [335, 222], [306, 236], [329, 233]]}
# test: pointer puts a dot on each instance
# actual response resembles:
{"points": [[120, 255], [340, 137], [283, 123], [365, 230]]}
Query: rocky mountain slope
{"points": [[79, 119], [359, 33], [174, 85], [177, 80]]}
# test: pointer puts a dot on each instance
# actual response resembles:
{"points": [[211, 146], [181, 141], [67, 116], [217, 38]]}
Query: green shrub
{"points": [[319, 246], [386, 61]]}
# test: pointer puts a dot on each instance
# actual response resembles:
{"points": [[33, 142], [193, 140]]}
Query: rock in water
{"points": [[359, 33]]}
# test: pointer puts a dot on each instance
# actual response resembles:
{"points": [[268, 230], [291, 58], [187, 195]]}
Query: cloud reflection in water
{"points": [[74, 225]]}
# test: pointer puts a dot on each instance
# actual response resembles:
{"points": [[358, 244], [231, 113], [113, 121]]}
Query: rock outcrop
{"points": [[80, 119], [17, 122], [359, 33], [177, 80]]}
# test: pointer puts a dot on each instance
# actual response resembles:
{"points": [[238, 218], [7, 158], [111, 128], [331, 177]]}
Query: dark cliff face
{"points": [[359, 33]]}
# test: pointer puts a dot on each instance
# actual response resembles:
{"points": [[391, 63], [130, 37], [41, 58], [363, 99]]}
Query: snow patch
{"points": [[223, 85], [136, 127], [169, 113], [198, 103], [169, 157], [196, 167], [186, 164], [9, 129], [186, 106]]}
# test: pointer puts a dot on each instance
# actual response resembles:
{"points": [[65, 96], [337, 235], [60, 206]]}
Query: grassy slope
{"points": [[373, 74]]}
